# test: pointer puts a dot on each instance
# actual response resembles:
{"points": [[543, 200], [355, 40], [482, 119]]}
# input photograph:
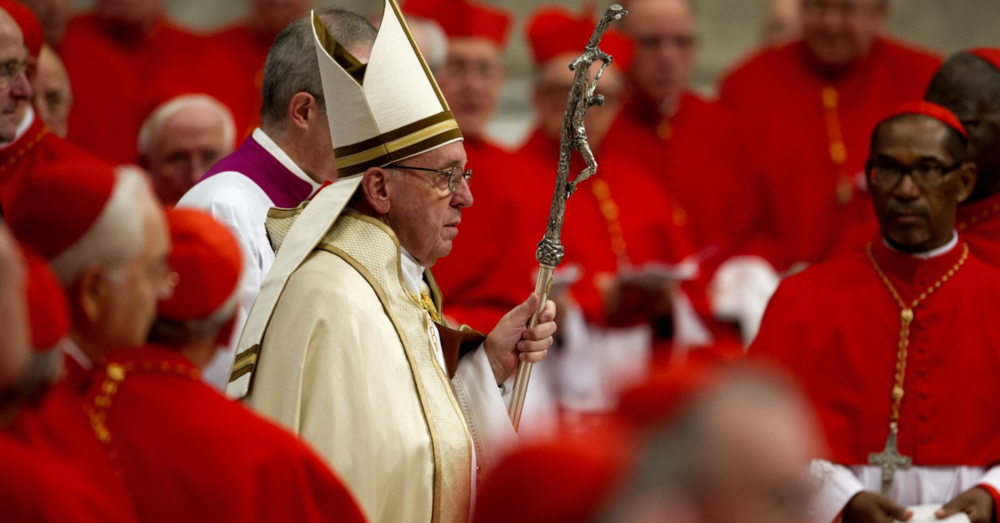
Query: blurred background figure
{"points": [[695, 444], [54, 15], [123, 58], [53, 95], [181, 140], [807, 109], [14, 343], [431, 41], [245, 44], [783, 22]]}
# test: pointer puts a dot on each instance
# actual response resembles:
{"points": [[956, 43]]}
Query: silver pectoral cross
{"points": [[889, 460]]}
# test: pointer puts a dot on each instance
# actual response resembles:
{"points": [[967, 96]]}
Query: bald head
{"points": [[14, 87], [665, 33], [969, 86], [783, 22]]}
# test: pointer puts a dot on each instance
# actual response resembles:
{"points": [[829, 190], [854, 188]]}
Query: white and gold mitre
{"points": [[386, 110]]}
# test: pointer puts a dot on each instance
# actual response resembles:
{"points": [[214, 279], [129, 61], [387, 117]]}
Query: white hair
{"points": [[435, 50], [116, 237], [154, 124]]}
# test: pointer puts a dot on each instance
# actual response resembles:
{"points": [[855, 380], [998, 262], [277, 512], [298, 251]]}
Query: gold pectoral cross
{"points": [[889, 460]]}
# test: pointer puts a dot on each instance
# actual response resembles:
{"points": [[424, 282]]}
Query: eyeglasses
{"points": [[683, 42], [9, 71], [453, 175], [887, 175]]}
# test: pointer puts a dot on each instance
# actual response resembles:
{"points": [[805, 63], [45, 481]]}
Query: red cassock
{"points": [[492, 262], [245, 48], [979, 223], [620, 218], [694, 155], [808, 138], [37, 148], [57, 427], [118, 82], [36, 488], [837, 328], [186, 453]]}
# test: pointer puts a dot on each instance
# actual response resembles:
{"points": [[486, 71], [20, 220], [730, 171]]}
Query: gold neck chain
{"points": [[612, 218], [906, 316]]}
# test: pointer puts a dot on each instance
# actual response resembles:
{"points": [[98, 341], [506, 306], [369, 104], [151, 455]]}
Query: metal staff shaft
{"points": [[542, 286], [574, 137]]}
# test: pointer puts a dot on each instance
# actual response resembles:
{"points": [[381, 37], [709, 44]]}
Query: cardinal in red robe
{"points": [[807, 109], [686, 140], [186, 452], [896, 342], [123, 64]]}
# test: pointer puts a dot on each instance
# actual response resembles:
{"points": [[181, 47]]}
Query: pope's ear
{"points": [[375, 184], [967, 181]]}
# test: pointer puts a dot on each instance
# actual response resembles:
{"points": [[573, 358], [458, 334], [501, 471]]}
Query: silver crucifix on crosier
{"points": [[889, 460], [574, 138]]}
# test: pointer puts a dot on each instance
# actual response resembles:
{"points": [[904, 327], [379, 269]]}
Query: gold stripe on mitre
{"points": [[399, 144]]}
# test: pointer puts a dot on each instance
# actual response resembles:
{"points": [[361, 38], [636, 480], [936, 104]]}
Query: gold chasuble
{"points": [[391, 427]]}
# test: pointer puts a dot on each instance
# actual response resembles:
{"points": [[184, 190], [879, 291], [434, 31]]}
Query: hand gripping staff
{"points": [[574, 137]]}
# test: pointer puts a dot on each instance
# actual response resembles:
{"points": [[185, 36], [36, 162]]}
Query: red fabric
{"points": [[118, 80], [990, 54], [36, 488], [208, 262], [491, 267], [664, 395], [777, 98], [932, 110], [464, 18], [836, 327], [58, 427], [554, 30], [694, 156], [564, 481], [645, 213], [979, 223], [187, 453], [51, 192], [48, 310], [28, 22], [245, 48]]}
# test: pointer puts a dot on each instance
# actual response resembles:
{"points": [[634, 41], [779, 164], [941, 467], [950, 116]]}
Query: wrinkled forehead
{"points": [[647, 17], [474, 49], [11, 39], [444, 157]]}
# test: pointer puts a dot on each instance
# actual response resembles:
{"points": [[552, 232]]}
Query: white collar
{"points": [[29, 118], [73, 351], [413, 273], [944, 249], [272, 148]]}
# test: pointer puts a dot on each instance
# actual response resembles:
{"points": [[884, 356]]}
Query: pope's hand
{"points": [[976, 502], [512, 341], [868, 507]]}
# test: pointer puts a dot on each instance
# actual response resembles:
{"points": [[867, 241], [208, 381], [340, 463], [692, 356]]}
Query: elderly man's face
{"points": [[140, 13], [917, 183], [53, 97], [14, 87], [471, 81], [123, 310], [666, 36], [554, 82], [423, 212], [840, 32], [274, 15], [188, 145]]}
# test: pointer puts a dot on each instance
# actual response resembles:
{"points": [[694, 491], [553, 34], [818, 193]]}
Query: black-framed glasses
{"points": [[927, 175], [453, 175]]}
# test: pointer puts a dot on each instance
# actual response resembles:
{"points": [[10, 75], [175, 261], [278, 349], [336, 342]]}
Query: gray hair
{"points": [[151, 128], [116, 237], [291, 65]]}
